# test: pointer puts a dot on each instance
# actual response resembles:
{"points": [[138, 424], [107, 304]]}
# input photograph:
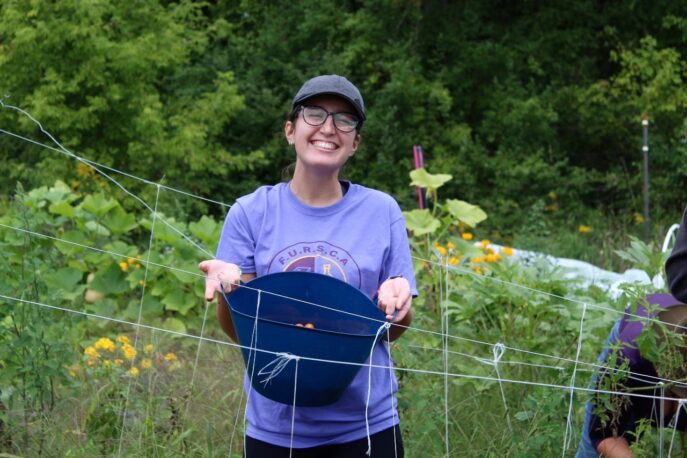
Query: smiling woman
{"points": [[321, 149], [318, 223]]}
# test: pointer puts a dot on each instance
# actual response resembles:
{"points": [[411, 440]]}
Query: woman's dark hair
{"points": [[287, 172], [294, 113]]}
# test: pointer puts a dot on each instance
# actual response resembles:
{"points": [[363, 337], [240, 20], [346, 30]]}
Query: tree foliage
{"points": [[514, 99]]}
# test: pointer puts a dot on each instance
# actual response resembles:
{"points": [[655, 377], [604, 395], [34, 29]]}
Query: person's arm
{"points": [[223, 314], [676, 265], [395, 296], [236, 245], [224, 318], [220, 275], [606, 437], [396, 331], [396, 293], [614, 447]]}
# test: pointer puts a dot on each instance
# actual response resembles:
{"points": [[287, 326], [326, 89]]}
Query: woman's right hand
{"points": [[219, 275]]}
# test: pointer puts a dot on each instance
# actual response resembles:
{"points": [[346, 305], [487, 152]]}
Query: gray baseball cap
{"points": [[331, 85]]}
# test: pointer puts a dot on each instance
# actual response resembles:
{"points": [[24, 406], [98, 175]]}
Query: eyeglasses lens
{"points": [[316, 116]]}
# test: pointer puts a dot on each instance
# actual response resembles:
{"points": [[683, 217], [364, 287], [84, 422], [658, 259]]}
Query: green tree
{"points": [[101, 78]]}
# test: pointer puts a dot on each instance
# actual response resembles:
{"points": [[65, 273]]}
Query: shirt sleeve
{"points": [[237, 243], [676, 266], [398, 261], [620, 418], [610, 422]]}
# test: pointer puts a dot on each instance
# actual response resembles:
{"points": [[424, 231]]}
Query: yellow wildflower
{"points": [[124, 266], [450, 245], [508, 251], [91, 352], [553, 195], [490, 258], [467, 236], [442, 251], [130, 260], [171, 357], [105, 344], [454, 260], [478, 259], [497, 257], [639, 219], [106, 362], [134, 371], [129, 352], [73, 370], [489, 251], [484, 243], [84, 170], [118, 361], [123, 340], [148, 349], [478, 270], [146, 363], [91, 362], [138, 266], [584, 229]]}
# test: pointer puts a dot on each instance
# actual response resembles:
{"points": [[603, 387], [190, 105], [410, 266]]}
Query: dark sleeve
{"points": [[621, 420], [676, 266]]}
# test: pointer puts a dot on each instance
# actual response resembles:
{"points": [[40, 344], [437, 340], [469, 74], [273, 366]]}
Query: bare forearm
{"points": [[224, 318], [223, 314], [396, 331]]}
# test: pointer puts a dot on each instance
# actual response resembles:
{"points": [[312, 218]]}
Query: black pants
{"points": [[382, 447]]}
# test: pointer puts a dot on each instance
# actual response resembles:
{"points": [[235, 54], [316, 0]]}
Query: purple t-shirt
{"points": [[362, 240]]}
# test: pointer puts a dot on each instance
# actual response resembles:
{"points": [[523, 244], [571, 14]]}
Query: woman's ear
{"points": [[356, 142], [289, 130]]}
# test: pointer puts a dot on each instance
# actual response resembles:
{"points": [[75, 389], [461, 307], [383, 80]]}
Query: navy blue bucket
{"points": [[287, 298]]}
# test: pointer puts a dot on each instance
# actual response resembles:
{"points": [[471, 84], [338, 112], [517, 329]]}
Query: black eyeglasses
{"points": [[316, 116]]}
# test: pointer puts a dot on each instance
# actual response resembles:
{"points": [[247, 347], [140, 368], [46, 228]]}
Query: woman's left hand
{"points": [[395, 295]]}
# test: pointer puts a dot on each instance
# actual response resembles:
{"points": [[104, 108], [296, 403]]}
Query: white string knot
{"points": [[498, 349], [274, 367], [383, 328]]}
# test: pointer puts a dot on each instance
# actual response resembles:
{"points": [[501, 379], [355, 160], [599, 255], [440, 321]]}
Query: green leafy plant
{"points": [[644, 444], [644, 256], [33, 341], [452, 212], [127, 389], [108, 277]]}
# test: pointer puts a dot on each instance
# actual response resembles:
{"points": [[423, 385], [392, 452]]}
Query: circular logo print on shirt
{"points": [[317, 257]]}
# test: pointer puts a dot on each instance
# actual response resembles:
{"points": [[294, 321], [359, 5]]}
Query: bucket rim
{"points": [[267, 320], [256, 284]]}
